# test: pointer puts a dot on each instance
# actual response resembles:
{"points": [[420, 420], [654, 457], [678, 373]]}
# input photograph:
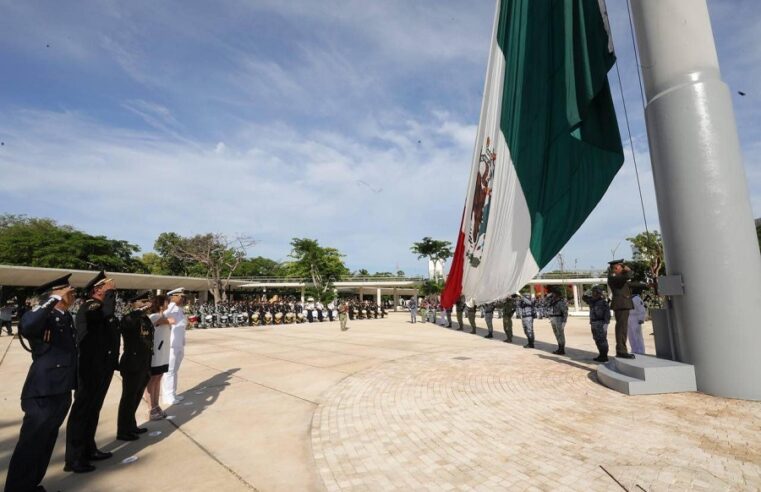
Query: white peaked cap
{"points": [[179, 290]]}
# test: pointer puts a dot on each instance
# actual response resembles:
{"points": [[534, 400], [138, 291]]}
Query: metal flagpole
{"points": [[703, 202]]}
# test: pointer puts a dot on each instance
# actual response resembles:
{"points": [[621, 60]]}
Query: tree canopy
{"points": [[648, 249], [433, 249], [39, 242], [323, 265]]}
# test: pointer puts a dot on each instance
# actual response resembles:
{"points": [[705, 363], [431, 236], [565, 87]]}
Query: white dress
{"points": [[161, 338], [636, 318]]}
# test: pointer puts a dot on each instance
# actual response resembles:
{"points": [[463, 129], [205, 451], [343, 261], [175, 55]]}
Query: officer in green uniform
{"points": [[46, 396], [134, 366], [508, 310], [619, 277]]}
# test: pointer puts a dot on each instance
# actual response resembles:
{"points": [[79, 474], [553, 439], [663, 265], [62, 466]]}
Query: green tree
{"points": [[217, 255], [322, 265], [153, 263], [171, 264], [259, 267], [44, 243], [648, 248], [432, 249]]}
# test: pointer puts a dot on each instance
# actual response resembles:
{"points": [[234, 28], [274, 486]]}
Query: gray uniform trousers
{"points": [[600, 336], [528, 327], [460, 322], [488, 317]]}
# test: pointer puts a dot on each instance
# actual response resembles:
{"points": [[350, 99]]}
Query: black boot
{"points": [[530, 343], [560, 350], [601, 358]]}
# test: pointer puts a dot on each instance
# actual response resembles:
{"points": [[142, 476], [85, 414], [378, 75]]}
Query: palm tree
{"points": [[432, 249]]}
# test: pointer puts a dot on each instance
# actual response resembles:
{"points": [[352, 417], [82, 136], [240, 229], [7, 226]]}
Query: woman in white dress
{"points": [[636, 319], [160, 358]]}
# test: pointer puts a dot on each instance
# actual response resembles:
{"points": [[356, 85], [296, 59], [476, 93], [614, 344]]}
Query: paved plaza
{"points": [[389, 405]]}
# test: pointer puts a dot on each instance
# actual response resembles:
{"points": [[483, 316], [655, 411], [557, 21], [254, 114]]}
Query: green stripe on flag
{"points": [[557, 113]]}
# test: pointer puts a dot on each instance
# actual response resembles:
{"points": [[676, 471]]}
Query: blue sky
{"points": [[352, 122]]}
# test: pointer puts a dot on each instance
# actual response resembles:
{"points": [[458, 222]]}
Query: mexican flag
{"points": [[547, 149]]}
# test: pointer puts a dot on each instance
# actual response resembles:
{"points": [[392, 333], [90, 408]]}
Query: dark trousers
{"points": [[133, 386], [43, 417], [622, 325], [8, 325], [83, 420]]}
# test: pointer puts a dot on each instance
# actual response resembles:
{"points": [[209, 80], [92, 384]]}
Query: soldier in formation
{"points": [[599, 318], [508, 310], [526, 312], [556, 309]]}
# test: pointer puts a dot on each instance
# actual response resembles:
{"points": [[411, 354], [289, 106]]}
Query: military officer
{"points": [[98, 340], [460, 306], [134, 366], [489, 317], [619, 276], [472, 307], [508, 310], [527, 314], [46, 396], [556, 308], [177, 345], [343, 309]]}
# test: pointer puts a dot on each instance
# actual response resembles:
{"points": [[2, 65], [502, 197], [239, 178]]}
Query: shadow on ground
{"points": [[196, 401]]}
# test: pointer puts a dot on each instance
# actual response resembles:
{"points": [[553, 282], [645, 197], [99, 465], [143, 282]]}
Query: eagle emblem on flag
{"points": [[479, 215]]}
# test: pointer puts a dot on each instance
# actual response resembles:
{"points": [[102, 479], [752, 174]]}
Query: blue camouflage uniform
{"points": [[526, 313]]}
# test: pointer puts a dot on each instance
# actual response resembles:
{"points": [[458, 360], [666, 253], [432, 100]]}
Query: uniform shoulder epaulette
{"points": [[93, 305]]}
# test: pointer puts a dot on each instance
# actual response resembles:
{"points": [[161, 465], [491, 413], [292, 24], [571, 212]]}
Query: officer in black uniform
{"points": [[98, 340], [134, 366], [46, 396]]}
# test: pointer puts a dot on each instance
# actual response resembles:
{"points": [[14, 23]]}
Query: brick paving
{"points": [[392, 406], [505, 418]]}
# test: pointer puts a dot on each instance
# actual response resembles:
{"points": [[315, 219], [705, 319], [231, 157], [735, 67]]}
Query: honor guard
{"points": [[488, 318], [599, 318], [527, 314], [46, 396], [134, 366], [472, 307], [556, 308], [508, 310], [460, 307], [98, 340]]}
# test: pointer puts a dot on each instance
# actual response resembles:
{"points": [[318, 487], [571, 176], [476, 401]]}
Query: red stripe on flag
{"points": [[453, 287]]}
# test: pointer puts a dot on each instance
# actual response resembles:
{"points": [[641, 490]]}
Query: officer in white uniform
{"points": [[177, 345], [636, 320]]}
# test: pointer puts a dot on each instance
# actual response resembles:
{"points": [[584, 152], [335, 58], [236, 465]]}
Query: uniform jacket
{"points": [[54, 351], [526, 307], [556, 306], [599, 310], [137, 332], [178, 328], [619, 286], [98, 335]]}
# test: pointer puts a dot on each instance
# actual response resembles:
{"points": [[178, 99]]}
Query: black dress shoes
{"points": [[127, 437], [625, 356], [139, 430], [99, 455], [601, 358], [488, 335], [78, 467]]}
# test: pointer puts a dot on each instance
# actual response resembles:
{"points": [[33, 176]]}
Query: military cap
{"points": [[56, 284], [615, 262], [180, 291], [597, 288], [140, 296], [99, 279]]}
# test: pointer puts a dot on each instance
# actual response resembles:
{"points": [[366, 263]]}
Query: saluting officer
{"points": [[98, 340], [134, 366], [619, 276], [46, 396]]}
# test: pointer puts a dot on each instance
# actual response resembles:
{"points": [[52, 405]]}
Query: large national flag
{"points": [[548, 144]]}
